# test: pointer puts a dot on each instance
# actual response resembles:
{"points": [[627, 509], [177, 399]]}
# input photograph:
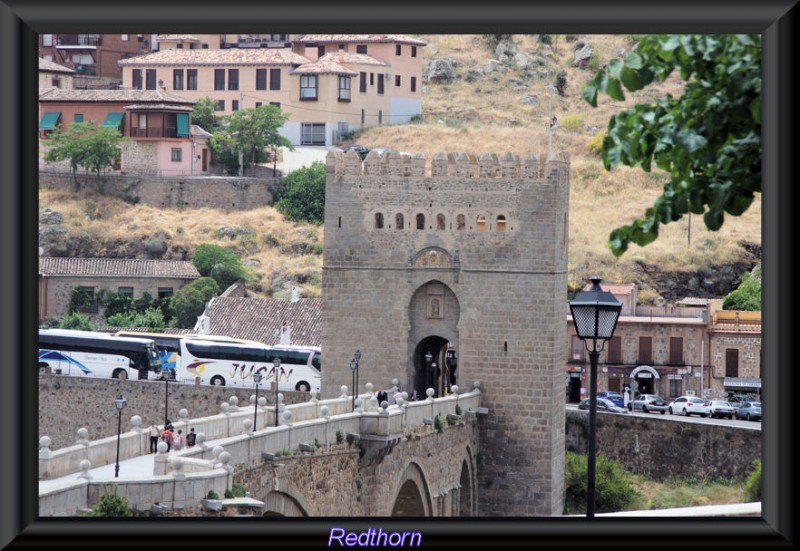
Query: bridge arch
{"points": [[281, 504], [412, 495], [468, 497]]}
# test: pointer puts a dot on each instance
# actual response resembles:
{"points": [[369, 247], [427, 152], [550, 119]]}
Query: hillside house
{"points": [[53, 75], [93, 54]]}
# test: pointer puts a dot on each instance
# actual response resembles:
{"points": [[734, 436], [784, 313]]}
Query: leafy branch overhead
{"points": [[708, 140]]}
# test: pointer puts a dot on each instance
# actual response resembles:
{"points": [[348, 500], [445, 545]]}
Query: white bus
{"points": [[94, 354], [228, 363]]}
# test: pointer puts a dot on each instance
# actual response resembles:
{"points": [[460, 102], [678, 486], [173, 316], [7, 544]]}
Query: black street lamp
{"points": [[167, 377], [120, 402], [428, 360], [256, 379], [354, 368], [594, 313], [276, 363]]}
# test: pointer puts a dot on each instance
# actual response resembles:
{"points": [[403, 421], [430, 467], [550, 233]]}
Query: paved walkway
{"points": [[302, 155]]}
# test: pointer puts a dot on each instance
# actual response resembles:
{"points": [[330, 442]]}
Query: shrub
{"points": [[212, 495], [111, 504], [438, 423], [228, 494], [546, 39], [208, 255], [595, 145], [239, 490], [561, 82], [76, 320], [339, 436], [190, 301], [572, 123], [752, 486], [613, 492], [303, 196]]}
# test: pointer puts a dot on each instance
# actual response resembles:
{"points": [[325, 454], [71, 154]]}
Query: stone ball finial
{"points": [[161, 447], [399, 401], [85, 465], [287, 415], [136, 421], [225, 407], [234, 401], [183, 413], [252, 398], [343, 389], [384, 405], [201, 438], [369, 387], [225, 458], [314, 395], [404, 395], [430, 392], [454, 389], [217, 450], [262, 401], [45, 442], [324, 410], [476, 384], [280, 397], [359, 402], [83, 433], [248, 425], [176, 463], [395, 381]]}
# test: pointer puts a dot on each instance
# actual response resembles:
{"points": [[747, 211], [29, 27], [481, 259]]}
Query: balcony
{"points": [[155, 132], [88, 40]]}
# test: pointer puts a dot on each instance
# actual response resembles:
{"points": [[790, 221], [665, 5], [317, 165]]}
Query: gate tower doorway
{"points": [[434, 374]]}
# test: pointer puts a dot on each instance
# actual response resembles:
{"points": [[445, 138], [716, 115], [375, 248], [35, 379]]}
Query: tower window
{"points": [[398, 221], [461, 222], [378, 221], [420, 221], [501, 223], [481, 222], [440, 222]]}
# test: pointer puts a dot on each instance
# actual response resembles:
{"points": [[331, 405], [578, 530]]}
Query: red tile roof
{"points": [[323, 67], [50, 67], [397, 38], [117, 267], [105, 96], [203, 57], [347, 58]]}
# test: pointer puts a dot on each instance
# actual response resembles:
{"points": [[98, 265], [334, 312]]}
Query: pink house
{"points": [[163, 142]]}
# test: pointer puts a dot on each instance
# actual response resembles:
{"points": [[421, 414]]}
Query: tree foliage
{"points": [[613, 491], [203, 114], [76, 320], [86, 145], [303, 196], [111, 504], [748, 295], [190, 301], [708, 140], [253, 130], [208, 255]]}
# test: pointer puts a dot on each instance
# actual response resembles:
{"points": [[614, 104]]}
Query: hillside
{"points": [[504, 109]]}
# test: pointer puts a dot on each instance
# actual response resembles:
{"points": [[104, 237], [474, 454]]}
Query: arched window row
{"points": [[439, 222]]}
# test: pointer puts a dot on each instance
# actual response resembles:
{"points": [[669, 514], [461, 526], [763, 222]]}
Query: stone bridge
{"points": [[323, 459]]}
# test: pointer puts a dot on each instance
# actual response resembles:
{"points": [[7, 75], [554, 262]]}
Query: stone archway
{"points": [[434, 313], [646, 378], [468, 499], [279, 504], [413, 498]]}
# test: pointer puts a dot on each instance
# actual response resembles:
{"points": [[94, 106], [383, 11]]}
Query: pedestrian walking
{"points": [[177, 440], [191, 438], [153, 438]]}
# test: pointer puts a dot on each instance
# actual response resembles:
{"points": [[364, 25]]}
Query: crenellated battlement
{"points": [[460, 165]]}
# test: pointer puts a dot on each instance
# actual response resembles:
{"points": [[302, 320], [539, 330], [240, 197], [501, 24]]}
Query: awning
{"points": [[113, 120], [742, 382], [49, 120], [183, 124]]}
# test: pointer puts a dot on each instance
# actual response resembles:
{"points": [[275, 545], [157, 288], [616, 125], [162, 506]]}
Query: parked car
{"points": [[720, 408], [688, 405], [603, 404], [749, 410], [615, 397], [648, 403], [360, 149], [382, 150]]}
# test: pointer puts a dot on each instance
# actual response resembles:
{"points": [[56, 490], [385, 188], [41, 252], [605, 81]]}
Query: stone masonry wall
{"points": [[222, 192], [660, 447], [69, 403], [491, 234]]}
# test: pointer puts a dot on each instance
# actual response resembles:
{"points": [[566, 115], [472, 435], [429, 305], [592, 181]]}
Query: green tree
{"points": [[86, 145], [190, 301], [613, 491], [208, 255], [111, 504], [76, 320], [253, 130], [708, 140], [203, 114], [303, 196], [747, 295]]}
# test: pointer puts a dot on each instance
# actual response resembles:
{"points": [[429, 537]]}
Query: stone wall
{"points": [[661, 447], [222, 192], [69, 403]]}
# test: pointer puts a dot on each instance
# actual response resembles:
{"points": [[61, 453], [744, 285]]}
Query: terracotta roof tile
{"points": [[348, 58], [323, 67], [184, 37], [398, 38], [127, 96], [261, 319], [233, 56], [50, 67], [117, 267]]}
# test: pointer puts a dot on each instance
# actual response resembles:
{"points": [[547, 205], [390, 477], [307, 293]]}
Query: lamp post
{"points": [[428, 360], [120, 402], [276, 362], [594, 314], [354, 368], [256, 379]]}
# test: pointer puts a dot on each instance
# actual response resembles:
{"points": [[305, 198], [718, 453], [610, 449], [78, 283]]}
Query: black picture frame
{"points": [[21, 20]]}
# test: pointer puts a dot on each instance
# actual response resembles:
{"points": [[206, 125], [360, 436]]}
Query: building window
{"points": [[501, 223], [440, 222], [179, 46], [177, 79], [362, 82], [731, 362], [219, 79], [341, 46], [398, 50], [220, 105], [480, 222], [312, 134], [397, 80], [413, 51], [177, 154], [55, 82], [191, 79], [47, 40], [274, 79], [420, 221], [399, 222], [275, 104], [308, 87], [151, 79], [614, 350], [380, 117], [142, 125], [372, 79], [235, 105], [380, 83], [461, 222], [137, 79], [320, 51], [675, 387], [361, 49], [258, 104], [363, 116], [78, 117], [123, 37], [576, 353], [645, 350], [165, 292], [378, 221], [676, 350], [125, 292], [344, 88], [261, 79], [233, 79]]}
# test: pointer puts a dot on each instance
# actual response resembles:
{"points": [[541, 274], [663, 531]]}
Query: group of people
{"points": [[175, 440]]}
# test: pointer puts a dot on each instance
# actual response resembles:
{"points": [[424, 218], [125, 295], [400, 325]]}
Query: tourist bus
{"points": [[229, 363], [95, 354]]}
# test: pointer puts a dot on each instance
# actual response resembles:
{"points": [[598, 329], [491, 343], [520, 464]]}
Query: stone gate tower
{"points": [[466, 255]]}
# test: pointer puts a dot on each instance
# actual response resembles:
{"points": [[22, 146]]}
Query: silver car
{"points": [[647, 403], [603, 404], [720, 408]]}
